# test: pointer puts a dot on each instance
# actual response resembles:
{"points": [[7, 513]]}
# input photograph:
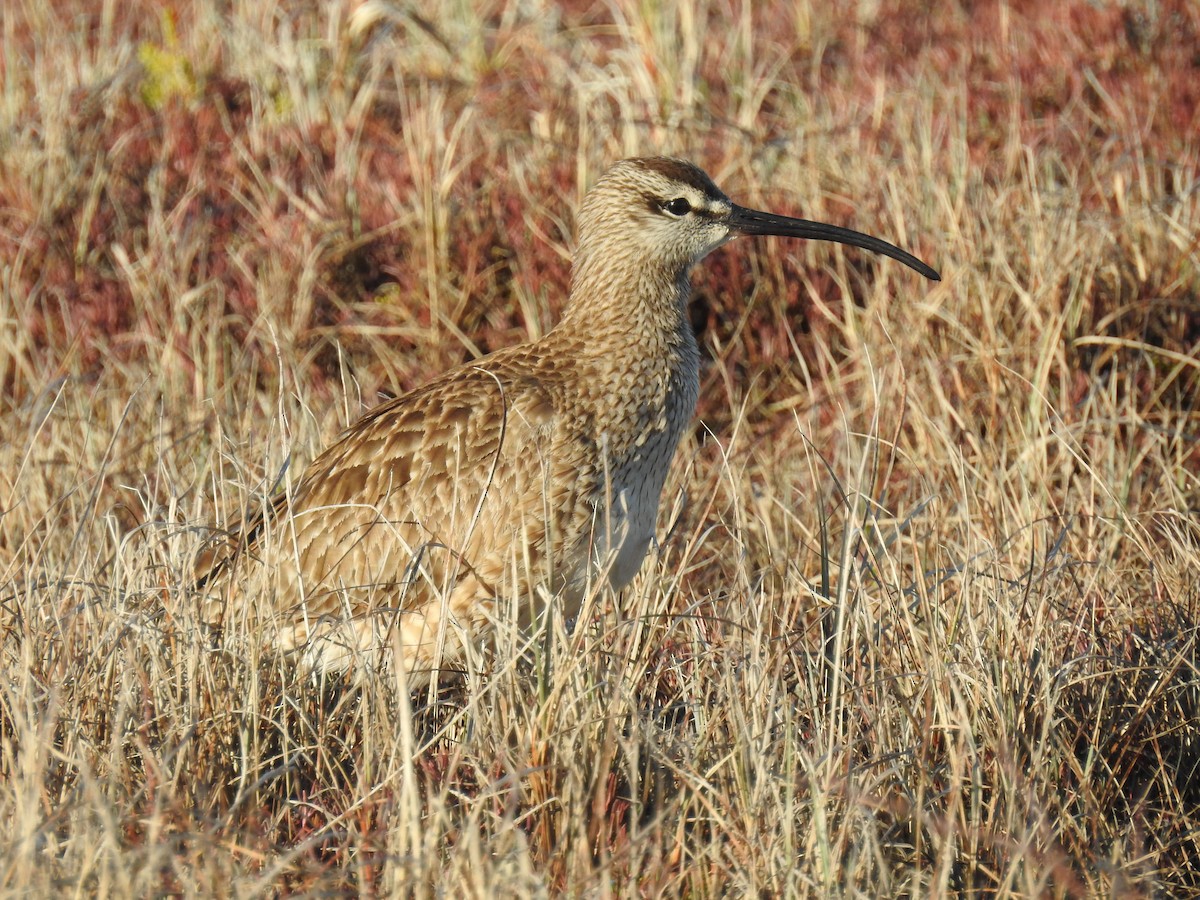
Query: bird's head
{"points": [[667, 212]]}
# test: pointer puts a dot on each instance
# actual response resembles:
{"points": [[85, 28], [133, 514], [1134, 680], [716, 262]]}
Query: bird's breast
{"points": [[640, 444]]}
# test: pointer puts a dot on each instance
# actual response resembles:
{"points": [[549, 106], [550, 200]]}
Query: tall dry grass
{"points": [[922, 617]]}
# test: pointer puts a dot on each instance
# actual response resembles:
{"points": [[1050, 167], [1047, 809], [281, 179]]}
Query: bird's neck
{"points": [[639, 319], [633, 350]]}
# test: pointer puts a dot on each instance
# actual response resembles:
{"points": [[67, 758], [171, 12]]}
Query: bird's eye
{"points": [[678, 207]]}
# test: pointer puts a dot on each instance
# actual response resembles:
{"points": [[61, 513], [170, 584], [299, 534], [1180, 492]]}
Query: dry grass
{"points": [[924, 614]]}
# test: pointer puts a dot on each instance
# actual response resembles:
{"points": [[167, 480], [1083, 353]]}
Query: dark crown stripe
{"points": [[683, 172]]}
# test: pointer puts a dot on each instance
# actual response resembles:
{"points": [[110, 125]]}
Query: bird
{"points": [[519, 480]]}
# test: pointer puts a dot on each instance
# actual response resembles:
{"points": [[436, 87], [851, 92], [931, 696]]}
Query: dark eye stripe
{"points": [[658, 205]]}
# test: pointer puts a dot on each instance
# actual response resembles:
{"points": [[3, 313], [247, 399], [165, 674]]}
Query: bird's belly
{"points": [[624, 537], [614, 550], [628, 537]]}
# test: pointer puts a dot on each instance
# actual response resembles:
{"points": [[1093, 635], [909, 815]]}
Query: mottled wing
{"points": [[427, 506], [410, 483]]}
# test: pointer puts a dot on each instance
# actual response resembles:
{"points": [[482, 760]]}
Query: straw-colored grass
{"points": [[922, 616]]}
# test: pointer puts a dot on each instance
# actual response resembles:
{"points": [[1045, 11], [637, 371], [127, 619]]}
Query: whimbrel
{"points": [[530, 474]]}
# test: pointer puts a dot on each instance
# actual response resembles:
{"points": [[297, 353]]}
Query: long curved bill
{"points": [[751, 221]]}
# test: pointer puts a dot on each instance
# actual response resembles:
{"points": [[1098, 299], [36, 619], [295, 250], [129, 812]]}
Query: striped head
{"points": [[667, 213]]}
